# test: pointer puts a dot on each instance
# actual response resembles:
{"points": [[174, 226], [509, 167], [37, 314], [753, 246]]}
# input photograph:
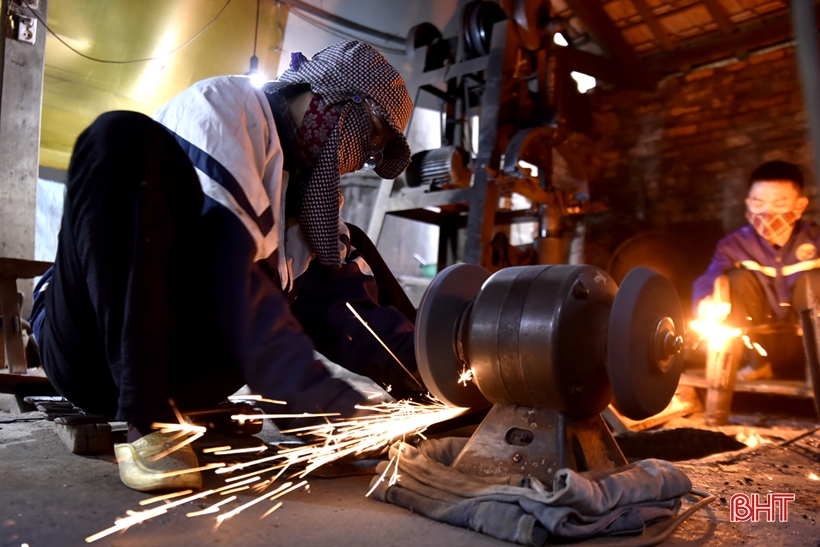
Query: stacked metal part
{"points": [[440, 169]]}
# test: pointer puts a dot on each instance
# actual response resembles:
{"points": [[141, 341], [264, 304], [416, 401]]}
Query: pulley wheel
{"points": [[423, 34], [439, 317], [438, 51], [477, 23], [644, 344]]}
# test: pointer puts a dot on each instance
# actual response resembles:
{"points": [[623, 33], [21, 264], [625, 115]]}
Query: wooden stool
{"points": [[12, 269], [11, 341], [719, 376]]}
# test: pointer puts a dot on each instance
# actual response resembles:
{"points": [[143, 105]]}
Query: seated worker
{"points": [[202, 250], [767, 263]]}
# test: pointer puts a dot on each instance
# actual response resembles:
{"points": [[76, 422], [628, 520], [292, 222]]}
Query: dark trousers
{"points": [[113, 340], [751, 309]]}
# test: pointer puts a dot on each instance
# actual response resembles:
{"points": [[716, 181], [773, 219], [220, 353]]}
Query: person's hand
{"points": [[710, 309]]}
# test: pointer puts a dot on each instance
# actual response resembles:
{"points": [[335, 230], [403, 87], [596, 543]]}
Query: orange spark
{"points": [[210, 509], [255, 398], [271, 510], [149, 501], [376, 336], [215, 449]]}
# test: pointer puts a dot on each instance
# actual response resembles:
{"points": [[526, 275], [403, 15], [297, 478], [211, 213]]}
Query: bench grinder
{"points": [[549, 347]]}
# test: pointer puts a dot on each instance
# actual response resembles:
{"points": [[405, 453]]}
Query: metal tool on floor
{"points": [[81, 433], [548, 346], [84, 433]]}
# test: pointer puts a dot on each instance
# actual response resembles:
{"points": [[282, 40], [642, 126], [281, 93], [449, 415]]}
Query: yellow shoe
{"points": [[140, 472]]}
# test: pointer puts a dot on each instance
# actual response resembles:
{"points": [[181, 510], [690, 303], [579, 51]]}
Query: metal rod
{"points": [[805, 33], [807, 321], [256, 29]]}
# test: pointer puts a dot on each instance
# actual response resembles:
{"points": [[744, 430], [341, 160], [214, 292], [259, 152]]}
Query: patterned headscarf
{"points": [[350, 77]]}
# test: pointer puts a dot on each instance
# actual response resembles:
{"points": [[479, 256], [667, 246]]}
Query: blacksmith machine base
{"points": [[537, 442], [548, 346]]}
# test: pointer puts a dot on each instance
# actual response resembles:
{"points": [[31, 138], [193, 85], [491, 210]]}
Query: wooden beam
{"points": [[603, 29], [771, 31], [719, 15], [660, 16], [601, 68], [654, 25]]}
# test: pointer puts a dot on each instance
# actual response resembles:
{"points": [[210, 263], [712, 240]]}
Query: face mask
{"points": [[317, 124], [770, 226]]}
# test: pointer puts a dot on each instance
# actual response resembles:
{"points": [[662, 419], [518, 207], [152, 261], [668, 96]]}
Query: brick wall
{"points": [[677, 160], [682, 154]]}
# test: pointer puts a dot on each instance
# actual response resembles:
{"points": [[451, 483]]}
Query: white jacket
{"points": [[225, 125]]}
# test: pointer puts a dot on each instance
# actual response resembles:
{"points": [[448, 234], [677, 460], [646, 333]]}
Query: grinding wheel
{"points": [[644, 344], [439, 316]]}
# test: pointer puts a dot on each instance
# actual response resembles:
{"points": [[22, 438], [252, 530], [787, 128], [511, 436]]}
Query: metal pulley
{"points": [[437, 50], [556, 337], [477, 22]]}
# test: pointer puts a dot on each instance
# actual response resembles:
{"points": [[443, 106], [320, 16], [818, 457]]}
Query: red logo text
{"points": [[751, 507]]}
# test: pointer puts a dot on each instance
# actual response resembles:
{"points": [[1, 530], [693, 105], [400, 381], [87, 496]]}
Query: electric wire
{"points": [[661, 531], [341, 21], [340, 33], [256, 29], [132, 61]]}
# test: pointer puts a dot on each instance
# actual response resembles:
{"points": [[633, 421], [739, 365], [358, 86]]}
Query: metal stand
{"points": [[537, 442], [515, 121], [481, 199]]}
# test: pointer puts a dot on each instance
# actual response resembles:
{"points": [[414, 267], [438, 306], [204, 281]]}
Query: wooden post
{"points": [[721, 366], [721, 370]]}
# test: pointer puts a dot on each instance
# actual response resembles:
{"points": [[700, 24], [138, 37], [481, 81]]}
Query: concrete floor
{"points": [[51, 497]]}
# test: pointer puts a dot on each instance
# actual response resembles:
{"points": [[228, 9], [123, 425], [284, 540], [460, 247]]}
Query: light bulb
{"points": [[257, 79], [560, 39]]}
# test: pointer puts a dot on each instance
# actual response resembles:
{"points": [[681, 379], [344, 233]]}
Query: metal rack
{"points": [[497, 87]]}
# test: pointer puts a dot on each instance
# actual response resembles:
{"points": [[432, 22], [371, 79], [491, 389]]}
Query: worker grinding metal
{"points": [[767, 264], [202, 250]]}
